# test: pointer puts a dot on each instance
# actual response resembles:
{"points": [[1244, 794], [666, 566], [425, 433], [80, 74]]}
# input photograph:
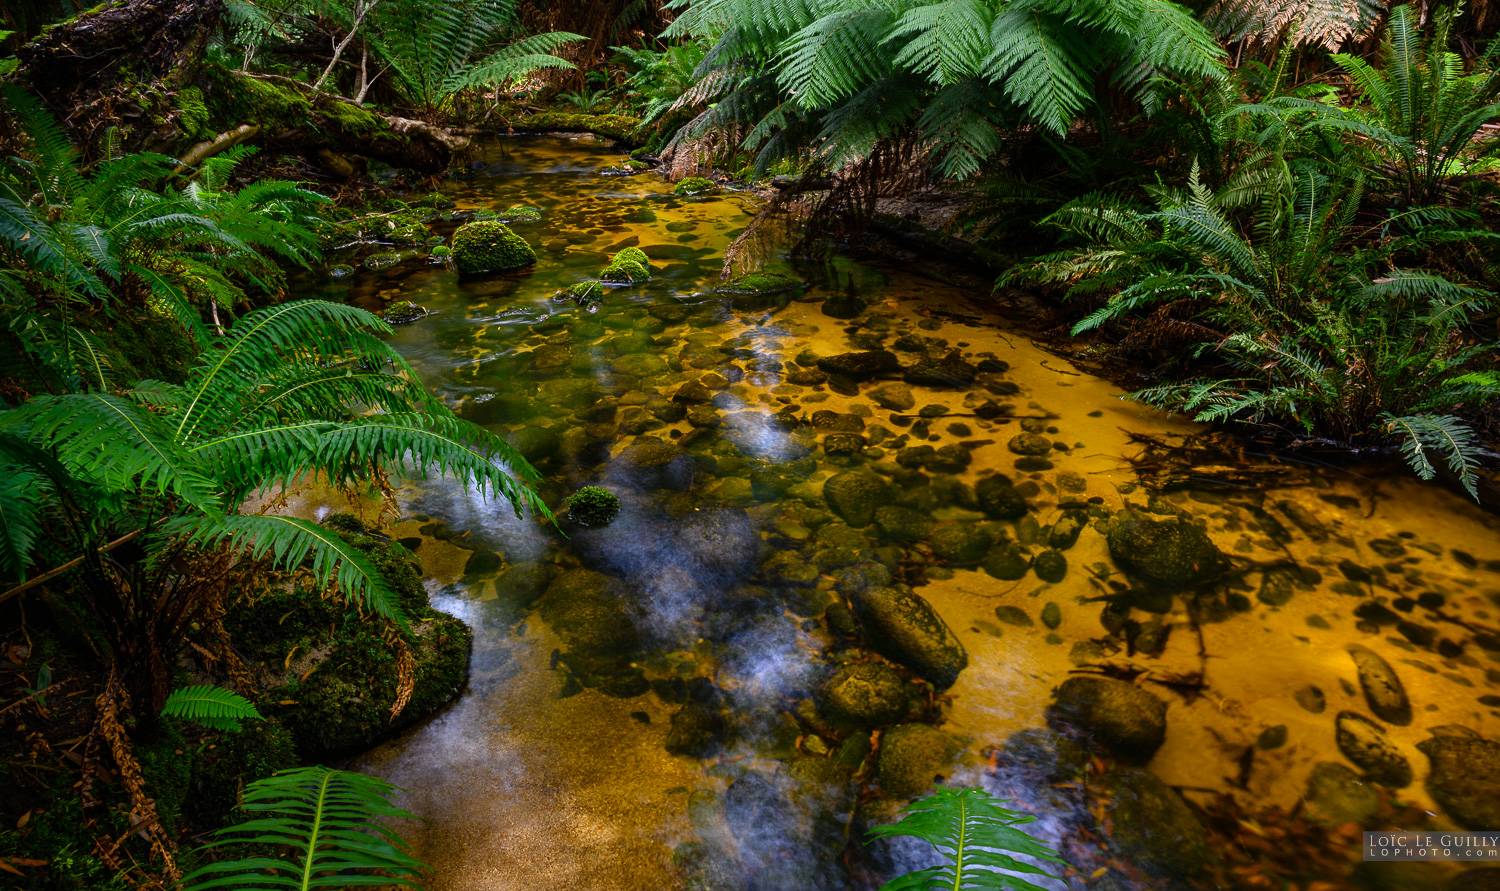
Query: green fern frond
{"points": [[1445, 434], [333, 822], [213, 707], [976, 836], [23, 496]]}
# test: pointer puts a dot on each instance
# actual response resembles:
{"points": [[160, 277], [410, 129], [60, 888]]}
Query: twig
{"points": [[54, 573]]}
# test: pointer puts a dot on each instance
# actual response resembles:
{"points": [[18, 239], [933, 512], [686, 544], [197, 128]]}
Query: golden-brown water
{"points": [[533, 780]]}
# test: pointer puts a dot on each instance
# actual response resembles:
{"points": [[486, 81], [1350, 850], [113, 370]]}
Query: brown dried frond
{"points": [[1326, 23], [406, 672], [895, 166], [697, 156], [107, 727], [1167, 326], [777, 223]]}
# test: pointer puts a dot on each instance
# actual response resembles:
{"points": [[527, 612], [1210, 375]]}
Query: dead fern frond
{"points": [[1327, 23], [406, 672]]}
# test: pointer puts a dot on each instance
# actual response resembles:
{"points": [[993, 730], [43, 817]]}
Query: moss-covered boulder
{"points": [[912, 758], [485, 247], [402, 312], [759, 283], [341, 677], [629, 266], [591, 291], [520, 213], [855, 494], [1175, 551], [695, 185], [904, 628]]}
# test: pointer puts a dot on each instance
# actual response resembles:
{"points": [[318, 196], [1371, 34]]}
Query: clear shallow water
{"points": [[553, 772]]}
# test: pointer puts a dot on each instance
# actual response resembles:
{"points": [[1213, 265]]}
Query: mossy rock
{"points": [[521, 213], [864, 696], [381, 260], [339, 702], [695, 185], [433, 201], [340, 270], [759, 283], [911, 758], [192, 114], [618, 127], [629, 266], [582, 292], [480, 248], [441, 253], [402, 312]]}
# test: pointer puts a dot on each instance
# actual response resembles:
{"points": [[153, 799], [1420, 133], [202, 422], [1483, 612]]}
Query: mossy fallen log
{"points": [[621, 128]]}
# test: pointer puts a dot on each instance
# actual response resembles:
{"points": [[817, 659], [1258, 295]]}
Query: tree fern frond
{"points": [[832, 57], [213, 707], [947, 41], [1042, 64], [335, 824]]}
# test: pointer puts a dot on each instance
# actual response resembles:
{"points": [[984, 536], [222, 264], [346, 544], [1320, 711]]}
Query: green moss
{"points": [[193, 113], [695, 185], [433, 201], [236, 99], [340, 704], [441, 252], [618, 127], [340, 270], [760, 283], [521, 214], [382, 260], [234, 758], [593, 507], [402, 312], [582, 292], [480, 248], [627, 267]]}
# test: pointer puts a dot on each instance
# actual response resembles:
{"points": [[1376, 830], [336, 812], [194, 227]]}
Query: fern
{"points": [[213, 707], [335, 825], [975, 836], [1444, 434]]}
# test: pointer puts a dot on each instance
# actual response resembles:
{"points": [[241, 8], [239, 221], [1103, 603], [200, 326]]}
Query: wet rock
{"points": [[592, 613], [1364, 742], [696, 731], [835, 421], [1006, 562], [893, 397], [960, 544], [903, 525], [912, 757], [1065, 531], [844, 444], [534, 443], [653, 464], [860, 366], [1465, 779], [855, 494], [1030, 444], [950, 371], [1124, 719], [1383, 690], [1014, 615], [1271, 738], [863, 696], [523, 584], [1151, 824], [1276, 587], [1173, 551], [1053, 755], [1050, 566], [999, 499], [719, 545], [1337, 795], [704, 416], [1051, 615], [903, 627], [693, 393]]}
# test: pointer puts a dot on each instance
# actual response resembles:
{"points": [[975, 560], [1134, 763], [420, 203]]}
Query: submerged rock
{"points": [[1465, 779], [1173, 551], [1124, 719], [903, 525], [1053, 755], [1007, 562], [592, 613], [653, 464], [1151, 824], [1050, 566], [903, 627], [855, 494], [1364, 742], [860, 366], [912, 757], [960, 544], [864, 696], [696, 730], [1383, 690], [893, 397], [999, 499], [1337, 795], [950, 371]]}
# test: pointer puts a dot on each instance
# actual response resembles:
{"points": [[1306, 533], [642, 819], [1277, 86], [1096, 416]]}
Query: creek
{"points": [[1302, 636]]}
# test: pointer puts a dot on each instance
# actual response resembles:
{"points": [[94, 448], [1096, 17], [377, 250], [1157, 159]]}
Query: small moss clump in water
{"points": [[593, 507], [694, 185], [341, 270], [490, 247], [627, 267], [441, 252], [521, 214], [382, 260], [433, 201], [403, 312], [760, 283], [582, 292]]}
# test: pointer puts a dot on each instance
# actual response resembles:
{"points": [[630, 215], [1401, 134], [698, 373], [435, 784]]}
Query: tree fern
{"points": [[976, 837], [213, 707], [334, 824]]}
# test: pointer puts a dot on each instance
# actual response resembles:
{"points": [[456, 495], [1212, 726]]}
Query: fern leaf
{"points": [[335, 824], [213, 707], [23, 495], [971, 830], [1444, 434]]}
